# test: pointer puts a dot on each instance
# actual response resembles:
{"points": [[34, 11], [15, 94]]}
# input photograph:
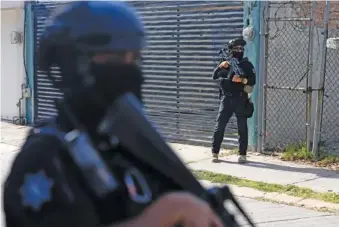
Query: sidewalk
{"points": [[12, 137], [261, 168]]}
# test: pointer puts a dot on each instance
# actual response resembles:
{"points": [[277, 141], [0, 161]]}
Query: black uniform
{"points": [[44, 188], [232, 101], [58, 201], [97, 47]]}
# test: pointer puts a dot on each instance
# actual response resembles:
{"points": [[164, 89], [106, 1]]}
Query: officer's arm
{"points": [[40, 190], [215, 75], [220, 73], [250, 74]]}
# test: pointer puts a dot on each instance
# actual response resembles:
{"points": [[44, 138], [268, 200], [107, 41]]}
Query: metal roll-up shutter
{"points": [[205, 27], [44, 92], [184, 39], [160, 65]]}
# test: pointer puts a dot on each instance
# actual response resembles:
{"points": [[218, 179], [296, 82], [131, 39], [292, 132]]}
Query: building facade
{"points": [[13, 75]]}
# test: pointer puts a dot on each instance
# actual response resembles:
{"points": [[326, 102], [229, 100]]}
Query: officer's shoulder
{"points": [[37, 153], [37, 138], [246, 60], [38, 149], [39, 166]]}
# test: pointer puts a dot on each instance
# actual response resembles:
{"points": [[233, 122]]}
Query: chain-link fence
{"points": [[288, 49], [330, 115], [294, 44]]}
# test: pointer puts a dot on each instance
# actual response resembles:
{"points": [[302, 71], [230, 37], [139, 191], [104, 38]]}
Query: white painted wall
{"points": [[12, 69], [11, 4]]}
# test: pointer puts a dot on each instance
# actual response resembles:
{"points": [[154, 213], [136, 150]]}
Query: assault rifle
{"points": [[233, 62], [125, 118]]}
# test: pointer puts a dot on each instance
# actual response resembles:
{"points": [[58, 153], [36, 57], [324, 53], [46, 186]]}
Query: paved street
{"points": [[266, 214], [263, 213]]}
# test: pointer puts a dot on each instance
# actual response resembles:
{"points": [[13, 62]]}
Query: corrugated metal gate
{"points": [[183, 43]]}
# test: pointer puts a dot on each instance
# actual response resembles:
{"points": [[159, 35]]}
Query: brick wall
{"points": [[305, 11]]}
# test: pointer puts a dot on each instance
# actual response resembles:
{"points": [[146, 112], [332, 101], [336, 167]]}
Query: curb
{"points": [[278, 198]]}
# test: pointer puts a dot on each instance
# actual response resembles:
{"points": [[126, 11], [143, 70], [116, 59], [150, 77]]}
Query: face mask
{"points": [[238, 55], [109, 81], [112, 80]]}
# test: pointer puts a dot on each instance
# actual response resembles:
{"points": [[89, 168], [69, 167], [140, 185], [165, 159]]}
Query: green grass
{"points": [[300, 153], [292, 190], [328, 160], [296, 152]]}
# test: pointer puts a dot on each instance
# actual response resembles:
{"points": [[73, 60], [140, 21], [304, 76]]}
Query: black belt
{"points": [[233, 94]]}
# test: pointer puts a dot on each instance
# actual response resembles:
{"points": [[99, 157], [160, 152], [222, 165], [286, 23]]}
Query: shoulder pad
{"points": [[32, 131], [47, 128]]}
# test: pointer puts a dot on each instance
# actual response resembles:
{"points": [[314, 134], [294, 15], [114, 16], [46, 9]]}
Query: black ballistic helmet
{"points": [[236, 42]]}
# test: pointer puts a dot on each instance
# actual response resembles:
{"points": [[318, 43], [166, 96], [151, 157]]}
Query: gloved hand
{"points": [[238, 79], [248, 89], [224, 64]]}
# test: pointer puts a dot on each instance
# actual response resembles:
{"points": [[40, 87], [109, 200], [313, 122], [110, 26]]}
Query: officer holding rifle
{"points": [[236, 76]]}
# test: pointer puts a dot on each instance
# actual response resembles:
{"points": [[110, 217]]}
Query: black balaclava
{"points": [[93, 89], [238, 55]]}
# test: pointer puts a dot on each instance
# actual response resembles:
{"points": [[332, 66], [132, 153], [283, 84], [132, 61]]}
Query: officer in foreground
{"points": [[103, 39], [237, 78]]}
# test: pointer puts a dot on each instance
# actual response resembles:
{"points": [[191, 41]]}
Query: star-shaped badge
{"points": [[36, 190]]}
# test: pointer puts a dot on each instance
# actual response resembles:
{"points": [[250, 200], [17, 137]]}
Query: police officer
{"points": [[97, 47], [237, 78]]}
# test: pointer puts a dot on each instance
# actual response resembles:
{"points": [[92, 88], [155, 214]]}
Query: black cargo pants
{"points": [[228, 106]]}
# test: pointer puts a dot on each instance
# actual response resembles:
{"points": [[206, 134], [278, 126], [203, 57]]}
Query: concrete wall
{"points": [[252, 14], [12, 64]]}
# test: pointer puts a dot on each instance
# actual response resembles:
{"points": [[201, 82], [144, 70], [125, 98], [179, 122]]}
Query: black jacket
{"points": [[227, 86], [66, 202]]}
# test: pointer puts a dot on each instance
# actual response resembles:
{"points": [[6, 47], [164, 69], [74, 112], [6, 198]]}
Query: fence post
{"points": [[263, 75], [252, 17], [29, 56], [320, 98], [309, 80]]}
